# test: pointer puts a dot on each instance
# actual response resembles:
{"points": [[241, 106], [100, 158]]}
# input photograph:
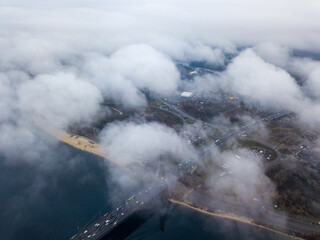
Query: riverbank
{"points": [[85, 144], [80, 142], [74, 140], [230, 216]]}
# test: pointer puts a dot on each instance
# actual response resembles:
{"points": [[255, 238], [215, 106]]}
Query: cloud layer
{"points": [[60, 59], [130, 70], [263, 77], [59, 99], [246, 181], [128, 143]]}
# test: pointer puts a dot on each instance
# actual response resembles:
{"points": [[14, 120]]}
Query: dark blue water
{"points": [[64, 188]]}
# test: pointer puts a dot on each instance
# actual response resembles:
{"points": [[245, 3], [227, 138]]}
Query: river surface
{"points": [[51, 194]]}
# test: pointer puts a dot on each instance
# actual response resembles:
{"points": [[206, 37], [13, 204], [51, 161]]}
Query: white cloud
{"points": [[274, 53], [314, 81], [131, 69], [59, 99], [129, 142], [6, 103], [306, 68], [246, 179], [60, 58], [262, 83]]}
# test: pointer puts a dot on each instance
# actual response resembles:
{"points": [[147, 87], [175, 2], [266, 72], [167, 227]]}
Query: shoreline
{"points": [[77, 141], [81, 143], [230, 216], [93, 147], [85, 144]]}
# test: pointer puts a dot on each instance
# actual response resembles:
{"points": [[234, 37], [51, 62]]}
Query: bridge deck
{"points": [[109, 221]]}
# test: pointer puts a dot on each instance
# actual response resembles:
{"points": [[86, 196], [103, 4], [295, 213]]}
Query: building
{"points": [[186, 94]]}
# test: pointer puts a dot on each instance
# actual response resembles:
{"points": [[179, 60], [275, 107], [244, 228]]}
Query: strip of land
{"points": [[231, 216], [80, 142], [74, 140]]}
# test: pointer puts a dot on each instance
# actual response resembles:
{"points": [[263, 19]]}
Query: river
{"points": [[59, 190]]}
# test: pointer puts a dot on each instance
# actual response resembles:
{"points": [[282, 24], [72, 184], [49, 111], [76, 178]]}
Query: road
{"points": [[104, 224]]}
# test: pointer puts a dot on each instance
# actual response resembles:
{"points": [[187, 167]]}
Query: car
{"points": [[85, 231], [137, 202], [131, 197], [122, 214]]}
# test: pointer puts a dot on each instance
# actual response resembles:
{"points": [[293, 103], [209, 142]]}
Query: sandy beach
{"points": [[230, 216], [74, 140], [80, 142]]}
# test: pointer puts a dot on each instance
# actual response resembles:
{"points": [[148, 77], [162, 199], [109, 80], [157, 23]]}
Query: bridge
{"points": [[111, 219], [105, 224]]}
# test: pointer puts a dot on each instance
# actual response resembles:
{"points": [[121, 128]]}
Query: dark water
{"points": [[64, 188]]}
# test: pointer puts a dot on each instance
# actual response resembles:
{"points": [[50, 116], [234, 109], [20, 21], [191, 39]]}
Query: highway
{"points": [[109, 221], [182, 113], [104, 224]]}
